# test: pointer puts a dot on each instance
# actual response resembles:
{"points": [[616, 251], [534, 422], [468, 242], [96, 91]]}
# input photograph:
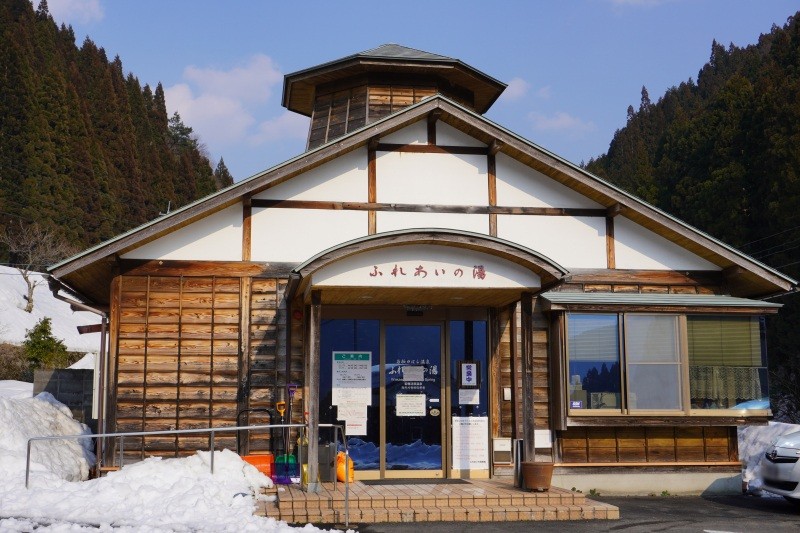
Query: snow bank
{"points": [[10, 388], [41, 416], [753, 442], [154, 495], [65, 321]]}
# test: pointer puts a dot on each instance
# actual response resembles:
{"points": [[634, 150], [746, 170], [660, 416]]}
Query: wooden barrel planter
{"points": [[537, 476]]}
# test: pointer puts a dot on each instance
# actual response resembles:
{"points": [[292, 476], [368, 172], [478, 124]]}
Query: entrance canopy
{"points": [[426, 267]]}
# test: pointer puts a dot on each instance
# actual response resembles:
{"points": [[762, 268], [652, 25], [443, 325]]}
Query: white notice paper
{"points": [[469, 396], [471, 442], [352, 378], [413, 373], [410, 405]]}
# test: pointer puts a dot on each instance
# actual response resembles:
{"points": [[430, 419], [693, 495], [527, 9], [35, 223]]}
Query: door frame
{"points": [[441, 316]]}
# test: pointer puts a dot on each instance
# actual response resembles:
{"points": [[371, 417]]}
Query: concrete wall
{"points": [[72, 387]]}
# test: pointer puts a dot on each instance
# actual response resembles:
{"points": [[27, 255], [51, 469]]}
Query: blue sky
{"points": [[572, 66]]}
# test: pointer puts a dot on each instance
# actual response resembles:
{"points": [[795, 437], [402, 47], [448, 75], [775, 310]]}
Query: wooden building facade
{"points": [[441, 286]]}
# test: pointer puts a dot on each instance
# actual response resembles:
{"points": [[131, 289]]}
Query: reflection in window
{"points": [[727, 363], [594, 372]]}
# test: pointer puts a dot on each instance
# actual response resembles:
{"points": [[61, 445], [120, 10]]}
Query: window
{"points": [[634, 363], [727, 363]]}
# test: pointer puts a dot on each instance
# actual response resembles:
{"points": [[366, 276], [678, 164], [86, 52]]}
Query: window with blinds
{"points": [[727, 363], [652, 354]]}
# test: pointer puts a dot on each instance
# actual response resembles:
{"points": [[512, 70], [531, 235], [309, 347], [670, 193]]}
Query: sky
{"points": [[573, 67]]}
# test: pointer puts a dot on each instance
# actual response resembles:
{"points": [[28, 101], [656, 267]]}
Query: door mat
{"points": [[425, 481]]}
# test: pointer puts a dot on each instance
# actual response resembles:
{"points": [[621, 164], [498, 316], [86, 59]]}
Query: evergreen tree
{"points": [[222, 177]]}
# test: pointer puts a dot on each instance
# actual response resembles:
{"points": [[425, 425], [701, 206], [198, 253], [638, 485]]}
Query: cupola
{"points": [[346, 94]]}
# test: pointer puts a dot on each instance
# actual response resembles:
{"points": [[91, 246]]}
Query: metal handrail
{"points": [[337, 427]]}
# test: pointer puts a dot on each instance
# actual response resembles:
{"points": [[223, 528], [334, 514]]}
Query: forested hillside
{"points": [[723, 153], [84, 148]]}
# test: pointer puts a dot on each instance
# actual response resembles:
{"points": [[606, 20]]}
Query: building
{"points": [[440, 285]]}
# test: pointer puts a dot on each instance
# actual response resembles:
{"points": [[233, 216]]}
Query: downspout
{"points": [[55, 286]]}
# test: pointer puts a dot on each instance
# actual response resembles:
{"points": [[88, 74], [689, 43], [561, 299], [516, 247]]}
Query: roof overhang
{"points": [[547, 272], [649, 302]]}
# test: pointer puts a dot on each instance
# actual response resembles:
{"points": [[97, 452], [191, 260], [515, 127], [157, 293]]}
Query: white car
{"points": [[780, 468]]}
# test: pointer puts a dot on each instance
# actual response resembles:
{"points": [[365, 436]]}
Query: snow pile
{"points": [[10, 388], [753, 443], [155, 495], [84, 363], [65, 321], [41, 416]]}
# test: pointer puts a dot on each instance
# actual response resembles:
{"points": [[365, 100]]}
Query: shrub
{"points": [[42, 349]]}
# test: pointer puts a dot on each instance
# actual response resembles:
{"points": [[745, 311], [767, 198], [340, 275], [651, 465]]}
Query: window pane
{"points": [[594, 366], [654, 387], [653, 362], [727, 367], [651, 338]]}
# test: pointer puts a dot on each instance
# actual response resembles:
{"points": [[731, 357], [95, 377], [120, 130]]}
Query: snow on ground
{"points": [[10, 388], [155, 495], [65, 321]]}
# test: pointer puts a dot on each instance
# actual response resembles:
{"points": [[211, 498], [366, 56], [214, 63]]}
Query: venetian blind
{"points": [[593, 338], [724, 341]]}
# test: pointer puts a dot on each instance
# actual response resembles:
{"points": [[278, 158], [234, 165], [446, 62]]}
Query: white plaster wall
{"points": [[294, 235], [342, 180], [432, 179], [520, 185], [447, 135], [572, 242], [416, 133], [639, 248], [440, 263], [392, 220], [217, 237]]}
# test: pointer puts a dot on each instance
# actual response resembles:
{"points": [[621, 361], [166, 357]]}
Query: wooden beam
{"points": [[491, 166], [649, 277], [372, 185], [93, 328], [614, 210], [494, 147], [433, 116], [611, 261], [313, 380], [558, 375], [247, 228], [432, 149], [431, 208], [145, 267], [528, 422], [243, 393]]}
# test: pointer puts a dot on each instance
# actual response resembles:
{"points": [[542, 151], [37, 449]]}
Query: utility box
{"points": [[327, 461]]}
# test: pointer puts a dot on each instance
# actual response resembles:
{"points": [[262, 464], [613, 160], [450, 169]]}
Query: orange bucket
{"points": [[262, 462]]}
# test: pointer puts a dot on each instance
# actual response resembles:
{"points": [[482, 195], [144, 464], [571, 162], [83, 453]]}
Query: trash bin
{"points": [[327, 461]]}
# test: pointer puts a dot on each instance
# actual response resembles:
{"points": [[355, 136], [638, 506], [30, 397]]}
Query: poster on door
{"points": [[470, 442], [352, 378]]}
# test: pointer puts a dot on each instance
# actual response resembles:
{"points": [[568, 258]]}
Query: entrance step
{"points": [[476, 501]]}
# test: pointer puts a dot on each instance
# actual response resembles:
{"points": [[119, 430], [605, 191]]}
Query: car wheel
{"points": [[795, 501]]}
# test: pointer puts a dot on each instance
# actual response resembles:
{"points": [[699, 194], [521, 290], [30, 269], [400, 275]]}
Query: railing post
{"points": [[28, 463], [122, 449], [212, 452]]}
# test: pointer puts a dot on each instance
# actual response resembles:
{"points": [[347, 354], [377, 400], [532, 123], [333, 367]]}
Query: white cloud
{"points": [[289, 125], [226, 107], [252, 82], [561, 122], [517, 88], [217, 120], [545, 92], [70, 11]]}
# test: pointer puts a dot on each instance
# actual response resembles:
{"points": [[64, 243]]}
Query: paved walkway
{"points": [[489, 500]]}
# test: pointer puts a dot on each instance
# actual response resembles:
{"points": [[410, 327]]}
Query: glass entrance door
{"points": [[414, 400]]}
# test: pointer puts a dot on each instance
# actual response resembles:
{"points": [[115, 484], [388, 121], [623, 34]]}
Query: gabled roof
{"points": [[299, 88], [90, 271]]}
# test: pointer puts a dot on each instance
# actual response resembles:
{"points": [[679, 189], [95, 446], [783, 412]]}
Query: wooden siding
{"points": [[177, 360], [181, 360], [648, 445]]}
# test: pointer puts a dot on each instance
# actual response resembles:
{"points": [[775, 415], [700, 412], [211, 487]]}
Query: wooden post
{"points": [[528, 434], [315, 322]]}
